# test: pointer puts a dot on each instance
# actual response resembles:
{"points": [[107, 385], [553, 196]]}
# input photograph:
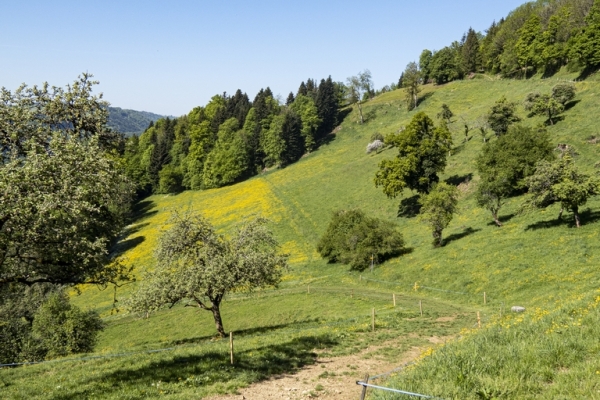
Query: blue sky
{"points": [[168, 57]]}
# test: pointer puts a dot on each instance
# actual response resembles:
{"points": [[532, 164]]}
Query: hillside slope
{"points": [[526, 260]]}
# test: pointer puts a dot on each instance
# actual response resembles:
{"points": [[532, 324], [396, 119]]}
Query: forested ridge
{"points": [[130, 122], [232, 138]]}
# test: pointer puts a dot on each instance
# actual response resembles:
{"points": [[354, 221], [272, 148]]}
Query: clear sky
{"points": [[168, 57]]}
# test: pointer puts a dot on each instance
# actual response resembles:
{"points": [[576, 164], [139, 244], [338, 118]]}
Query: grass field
{"points": [[533, 260]]}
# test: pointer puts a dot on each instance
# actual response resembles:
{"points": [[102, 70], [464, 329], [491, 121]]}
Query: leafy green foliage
{"points": [[438, 208], [446, 114], [63, 196], [563, 93], [502, 115], [422, 151], [197, 265], [586, 46], [228, 161], [410, 82], [358, 240], [60, 328], [561, 182]]}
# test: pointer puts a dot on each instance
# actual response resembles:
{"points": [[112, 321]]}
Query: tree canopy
{"points": [[422, 151], [197, 265]]}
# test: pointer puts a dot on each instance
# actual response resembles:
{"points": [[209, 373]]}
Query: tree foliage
{"points": [[358, 240], [504, 164], [560, 181], [502, 115], [438, 208], [422, 151], [197, 265], [411, 78]]}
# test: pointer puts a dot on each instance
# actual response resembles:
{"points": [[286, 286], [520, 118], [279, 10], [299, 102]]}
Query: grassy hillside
{"points": [[533, 260]]}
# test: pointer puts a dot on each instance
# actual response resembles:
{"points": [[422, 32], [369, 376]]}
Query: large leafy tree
{"points": [[438, 208], [586, 46], [359, 87], [561, 182], [198, 266], [504, 164], [63, 195], [229, 159], [422, 151]]}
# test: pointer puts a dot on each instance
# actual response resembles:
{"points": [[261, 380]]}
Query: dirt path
{"points": [[328, 378]]}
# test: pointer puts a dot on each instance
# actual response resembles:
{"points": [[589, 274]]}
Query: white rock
{"points": [[517, 309]]}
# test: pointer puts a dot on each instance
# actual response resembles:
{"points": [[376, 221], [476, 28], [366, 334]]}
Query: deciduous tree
{"points": [[197, 266], [438, 208]]}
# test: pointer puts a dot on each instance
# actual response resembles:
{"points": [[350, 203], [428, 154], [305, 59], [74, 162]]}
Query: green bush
{"points": [[60, 328], [353, 238]]}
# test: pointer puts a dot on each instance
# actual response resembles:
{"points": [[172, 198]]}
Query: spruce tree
{"points": [[470, 52], [327, 106], [290, 99]]}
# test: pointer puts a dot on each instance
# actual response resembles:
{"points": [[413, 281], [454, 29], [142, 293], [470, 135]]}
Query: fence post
{"points": [[373, 319], [352, 294], [308, 289], [231, 346], [484, 299], [394, 299], [364, 389], [478, 320], [421, 307]]}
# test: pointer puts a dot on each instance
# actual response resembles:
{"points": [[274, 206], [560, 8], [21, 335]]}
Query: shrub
{"points": [[374, 146], [563, 93], [353, 238], [377, 136], [60, 328]]}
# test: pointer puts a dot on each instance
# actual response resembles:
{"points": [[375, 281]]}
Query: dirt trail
{"points": [[328, 378]]}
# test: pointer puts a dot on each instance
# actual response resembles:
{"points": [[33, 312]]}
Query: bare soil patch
{"points": [[328, 378]]}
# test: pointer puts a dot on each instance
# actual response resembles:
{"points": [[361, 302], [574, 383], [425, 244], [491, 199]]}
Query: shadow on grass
{"points": [[456, 180], [242, 332], [125, 245], [424, 98], [142, 209], [571, 104], [503, 219], [409, 207], [207, 368], [586, 217], [457, 236]]}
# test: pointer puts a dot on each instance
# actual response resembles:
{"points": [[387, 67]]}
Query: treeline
{"points": [[537, 37], [232, 138], [130, 122]]}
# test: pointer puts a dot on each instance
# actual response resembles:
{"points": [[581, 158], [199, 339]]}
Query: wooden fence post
{"points": [[484, 299], [394, 299], [231, 346], [373, 319], [478, 320], [364, 389], [308, 289], [421, 307]]}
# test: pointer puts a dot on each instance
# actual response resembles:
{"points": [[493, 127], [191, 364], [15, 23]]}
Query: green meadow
{"points": [[534, 260]]}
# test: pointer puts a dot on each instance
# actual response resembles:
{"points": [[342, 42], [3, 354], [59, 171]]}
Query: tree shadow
{"points": [[571, 104], [424, 98], [342, 114], [126, 245], [586, 217], [503, 219], [326, 140], [457, 236], [456, 180], [142, 209], [586, 72], [409, 207], [208, 368], [242, 332]]}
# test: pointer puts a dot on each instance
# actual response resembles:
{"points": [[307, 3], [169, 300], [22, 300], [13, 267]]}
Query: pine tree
{"points": [[470, 52], [327, 106], [302, 91], [290, 99]]}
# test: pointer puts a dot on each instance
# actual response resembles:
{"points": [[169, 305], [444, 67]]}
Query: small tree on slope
{"points": [[197, 265]]}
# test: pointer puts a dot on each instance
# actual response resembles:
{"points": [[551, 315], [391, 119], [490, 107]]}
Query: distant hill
{"points": [[130, 122]]}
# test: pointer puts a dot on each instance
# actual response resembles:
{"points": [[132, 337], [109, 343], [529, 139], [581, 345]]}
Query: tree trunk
{"points": [[560, 213], [416, 98], [576, 214], [437, 239], [362, 120], [217, 316], [495, 216]]}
